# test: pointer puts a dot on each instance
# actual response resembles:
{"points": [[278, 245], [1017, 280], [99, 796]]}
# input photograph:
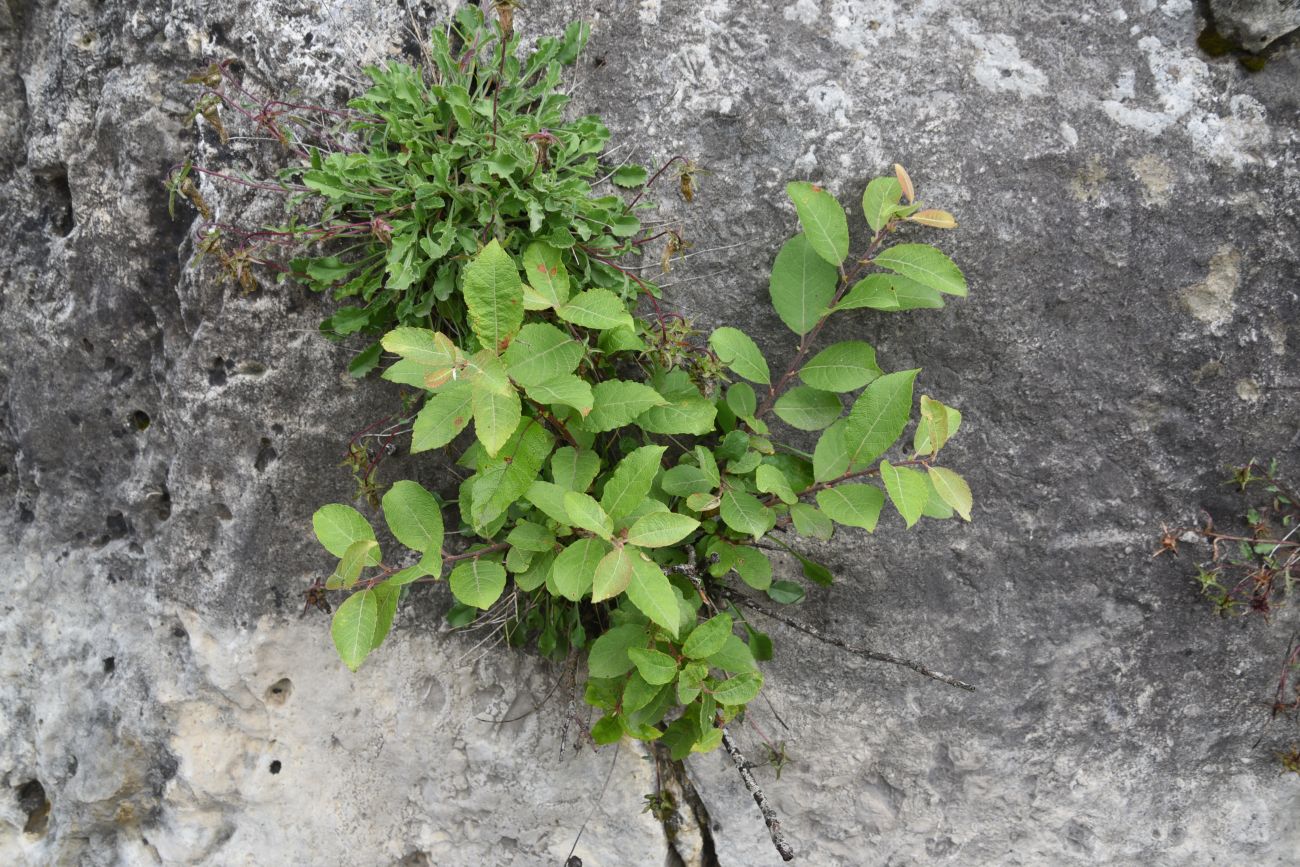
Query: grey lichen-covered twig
{"points": [[840, 643], [769, 815]]}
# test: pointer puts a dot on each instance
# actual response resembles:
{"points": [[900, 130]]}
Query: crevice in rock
{"points": [[679, 808], [32, 801]]}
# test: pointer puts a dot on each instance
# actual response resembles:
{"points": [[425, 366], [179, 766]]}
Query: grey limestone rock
{"points": [[1128, 224]]}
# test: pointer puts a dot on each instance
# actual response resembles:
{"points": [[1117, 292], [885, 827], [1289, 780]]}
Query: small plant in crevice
{"points": [[1253, 569], [625, 477]]}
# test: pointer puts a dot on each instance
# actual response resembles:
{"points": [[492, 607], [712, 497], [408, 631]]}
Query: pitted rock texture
{"points": [[1128, 223]]}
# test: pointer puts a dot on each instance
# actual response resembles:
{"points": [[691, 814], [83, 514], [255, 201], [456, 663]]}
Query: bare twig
{"points": [[769, 815], [844, 645]]}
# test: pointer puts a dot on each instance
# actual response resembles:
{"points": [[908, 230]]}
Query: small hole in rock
{"points": [[223, 511], [140, 419], [110, 664], [275, 766], [179, 632], [279, 692], [32, 801]]}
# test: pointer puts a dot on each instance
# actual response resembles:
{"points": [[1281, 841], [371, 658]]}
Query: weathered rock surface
{"points": [[1129, 226], [1256, 24]]}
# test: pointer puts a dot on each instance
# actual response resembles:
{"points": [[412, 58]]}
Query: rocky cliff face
{"points": [[1129, 227]]}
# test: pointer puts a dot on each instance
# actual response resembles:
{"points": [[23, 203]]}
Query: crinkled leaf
{"points": [[548, 281], [690, 415], [574, 469], [495, 417], [494, 296], [744, 513], [880, 200], [567, 389], [540, 352], [738, 690], [890, 292]]}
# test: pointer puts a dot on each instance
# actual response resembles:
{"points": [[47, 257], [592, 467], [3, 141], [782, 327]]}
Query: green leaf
{"points": [[815, 572], [709, 637], [549, 499], [618, 402], [811, 521], [574, 469], [686, 479], [638, 692], [744, 513], [353, 628], [738, 690], [629, 176], [443, 416], [414, 517], [495, 417], [953, 490], [494, 296], [599, 309], [852, 505], [808, 408], [661, 529], [891, 293], [734, 657], [608, 654], [824, 221], [631, 481], [680, 736], [739, 352], [938, 425], [548, 281], [907, 488], [365, 361], [503, 479], [802, 285], [924, 264], [655, 667], [754, 567], [935, 507], [652, 594], [878, 416], [539, 352], [585, 512], [338, 526], [531, 537], [386, 596], [354, 559], [691, 415], [613, 573], [575, 567], [785, 592], [430, 349], [842, 367], [478, 582], [769, 480], [567, 389], [741, 400], [831, 454], [607, 730], [879, 200]]}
